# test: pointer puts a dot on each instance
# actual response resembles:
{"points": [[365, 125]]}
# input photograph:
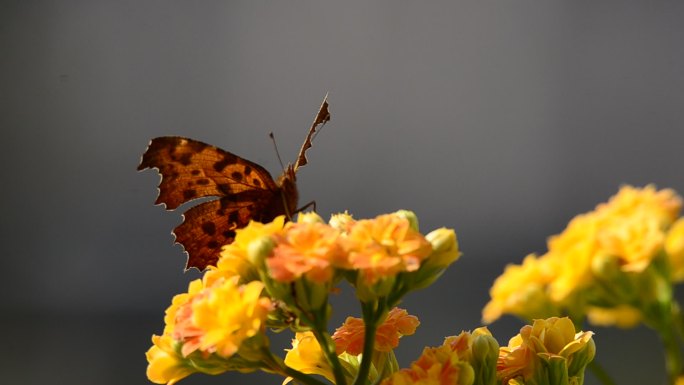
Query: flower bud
{"points": [[310, 217], [485, 352], [259, 249], [410, 216], [444, 247], [341, 221]]}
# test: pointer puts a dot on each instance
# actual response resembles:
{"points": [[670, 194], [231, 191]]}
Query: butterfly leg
{"points": [[306, 206]]}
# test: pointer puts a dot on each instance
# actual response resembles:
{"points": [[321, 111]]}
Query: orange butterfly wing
{"points": [[190, 170]]}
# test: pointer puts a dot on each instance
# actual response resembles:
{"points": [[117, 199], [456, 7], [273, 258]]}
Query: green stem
{"points": [[328, 349], [301, 377], [371, 312], [673, 355], [600, 373]]}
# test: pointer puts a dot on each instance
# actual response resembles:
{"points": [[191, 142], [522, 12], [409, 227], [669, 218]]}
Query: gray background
{"points": [[501, 119]]}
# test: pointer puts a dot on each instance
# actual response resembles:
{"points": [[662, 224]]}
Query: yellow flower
{"points": [[307, 357], [674, 247], [521, 290], [308, 248], [436, 366], [165, 365], [234, 259], [664, 204], [220, 317], [178, 302], [623, 316], [382, 247], [553, 337], [635, 239], [349, 337], [571, 254]]}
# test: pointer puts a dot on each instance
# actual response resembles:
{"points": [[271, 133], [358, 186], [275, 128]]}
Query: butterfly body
{"points": [[242, 191]]}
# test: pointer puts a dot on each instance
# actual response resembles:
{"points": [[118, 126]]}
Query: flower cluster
{"points": [[615, 265], [279, 276], [626, 243]]}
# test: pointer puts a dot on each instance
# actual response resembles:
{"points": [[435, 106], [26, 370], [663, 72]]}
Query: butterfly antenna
{"points": [[275, 145]]}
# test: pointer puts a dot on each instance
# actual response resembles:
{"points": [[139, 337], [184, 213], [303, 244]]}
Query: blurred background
{"points": [[501, 119]]}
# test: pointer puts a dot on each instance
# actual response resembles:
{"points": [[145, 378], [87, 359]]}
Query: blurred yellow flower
{"points": [[307, 357], [635, 239], [234, 258], [521, 290], [623, 316], [220, 317], [664, 204], [674, 247], [384, 246], [308, 248], [165, 365], [436, 366], [571, 254], [550, 337], [349, 337]]}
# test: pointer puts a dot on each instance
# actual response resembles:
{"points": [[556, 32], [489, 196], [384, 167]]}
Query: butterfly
{"points": [[244, 190]]}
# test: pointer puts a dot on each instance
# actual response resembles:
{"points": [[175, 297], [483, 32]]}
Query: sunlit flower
{"points": [[674, 247], [436, 366], [384, 246], [308, 248], [220, 317], [350, 336], [165, 364], [545, 338], [521, 290], [307, 357], [234, 259]]}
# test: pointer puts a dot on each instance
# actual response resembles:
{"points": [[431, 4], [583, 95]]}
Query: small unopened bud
{"points": [[410, 216], [341, 221], [444, 246], [310, 217], [259, 249]]}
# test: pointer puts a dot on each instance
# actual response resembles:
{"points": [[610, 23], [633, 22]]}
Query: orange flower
{"points": [[308, 249], [349, 337], [436, 366], [385, 246]]}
